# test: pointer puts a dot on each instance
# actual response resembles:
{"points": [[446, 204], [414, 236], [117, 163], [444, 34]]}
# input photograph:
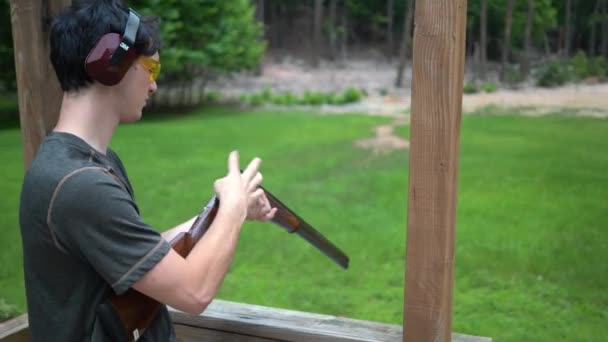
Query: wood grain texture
{"points": [[185, 333], [438, 69], [39, 92], [252, 322], [15, 329], [230, 322]]}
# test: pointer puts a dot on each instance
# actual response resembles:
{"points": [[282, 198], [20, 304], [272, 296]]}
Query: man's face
{"points": [[137, 85]]}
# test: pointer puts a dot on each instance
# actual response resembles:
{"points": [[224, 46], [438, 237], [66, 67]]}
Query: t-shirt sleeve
{"points": [[95, 219]]}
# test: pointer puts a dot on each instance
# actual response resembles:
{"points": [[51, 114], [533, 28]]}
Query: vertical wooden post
{"points": [[39, 92], [438, 68]]}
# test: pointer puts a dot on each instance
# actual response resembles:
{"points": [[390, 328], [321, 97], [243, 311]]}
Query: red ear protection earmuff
{"points": [[109, 60]]}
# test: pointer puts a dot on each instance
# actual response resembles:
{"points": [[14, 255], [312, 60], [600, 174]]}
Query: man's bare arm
{"points": [[190, 284]]}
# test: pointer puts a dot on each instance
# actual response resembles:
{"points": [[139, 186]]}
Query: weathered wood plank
{"points": [[438, 69], [257, 321], [185, 333], [15, 330], [231, 322]]}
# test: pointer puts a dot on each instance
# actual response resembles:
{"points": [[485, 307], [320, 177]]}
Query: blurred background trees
{"points": [[508, 41]]}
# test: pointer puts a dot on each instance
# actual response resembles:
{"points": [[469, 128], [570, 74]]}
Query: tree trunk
{"points": [[525, 63], [547, 45], [259, 15], [390, 14], [344, 33], [406, 42], [593, 33], [483, 26], [316, 49], [39, 91], [506, 45], [568, 34], [333, 34], [259, 11], [605, 28]]}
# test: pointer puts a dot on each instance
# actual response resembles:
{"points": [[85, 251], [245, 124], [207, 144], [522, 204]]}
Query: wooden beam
{"points": [[39, 92], [438, 68], [229, 321]]}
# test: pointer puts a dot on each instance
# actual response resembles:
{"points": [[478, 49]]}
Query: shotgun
{"points": [[126, 316]]}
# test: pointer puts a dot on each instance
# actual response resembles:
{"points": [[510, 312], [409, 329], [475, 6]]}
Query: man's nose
{"points": [[152, 88]]}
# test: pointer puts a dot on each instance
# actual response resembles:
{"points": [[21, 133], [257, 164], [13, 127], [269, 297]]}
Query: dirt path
{"points": [[376, 78]]}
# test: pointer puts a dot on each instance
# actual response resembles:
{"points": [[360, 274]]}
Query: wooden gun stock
{"points": [[135, 311]]}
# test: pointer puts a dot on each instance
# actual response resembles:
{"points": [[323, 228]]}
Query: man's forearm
{"points": [[211, 257]]}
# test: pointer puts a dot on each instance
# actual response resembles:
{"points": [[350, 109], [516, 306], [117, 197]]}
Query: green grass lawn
{"points": [[531, 245]]}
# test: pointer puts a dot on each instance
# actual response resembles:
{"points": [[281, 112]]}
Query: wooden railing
{"points": [[228, 321]]}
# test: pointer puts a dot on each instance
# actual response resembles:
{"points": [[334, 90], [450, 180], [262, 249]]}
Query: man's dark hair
{"points": [[78, 28]]}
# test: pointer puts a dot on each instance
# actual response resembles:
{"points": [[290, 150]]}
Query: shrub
{"points": [[554, 74], [314, 98], [213, 96], [351, 95], [580, 65], [470, 88], [598, 67], [513, 76], [584, 67], [489, 87]]}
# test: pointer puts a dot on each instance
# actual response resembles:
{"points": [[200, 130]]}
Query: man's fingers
{"points": [[233, 162], [255, 182], [252, 169], [257, 196], [269, 215]]}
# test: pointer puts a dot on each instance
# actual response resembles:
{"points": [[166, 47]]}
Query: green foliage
{"points": [[598, 67], [351, 95], [206, 37], [584, 67], [545, 19], [489, 87], [580, 65], [314, 98], [470, 88], [513, 75], [554, 73], [8, 80], [212, 96]]}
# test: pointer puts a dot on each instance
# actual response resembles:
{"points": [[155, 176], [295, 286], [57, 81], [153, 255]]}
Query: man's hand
{"points": [[258, 207], [234, 190]]}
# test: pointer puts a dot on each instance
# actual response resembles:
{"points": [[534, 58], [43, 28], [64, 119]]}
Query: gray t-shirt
{"points": [[83, 240]]}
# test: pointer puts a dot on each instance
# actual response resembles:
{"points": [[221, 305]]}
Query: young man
{"points": [[83, 237]]}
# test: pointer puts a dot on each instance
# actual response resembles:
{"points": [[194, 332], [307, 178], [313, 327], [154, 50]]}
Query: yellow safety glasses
{"points": [[152, 65]]}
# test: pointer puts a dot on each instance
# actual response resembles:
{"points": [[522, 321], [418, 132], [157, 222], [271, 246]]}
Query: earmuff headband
{"points": [[128, 38]]}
